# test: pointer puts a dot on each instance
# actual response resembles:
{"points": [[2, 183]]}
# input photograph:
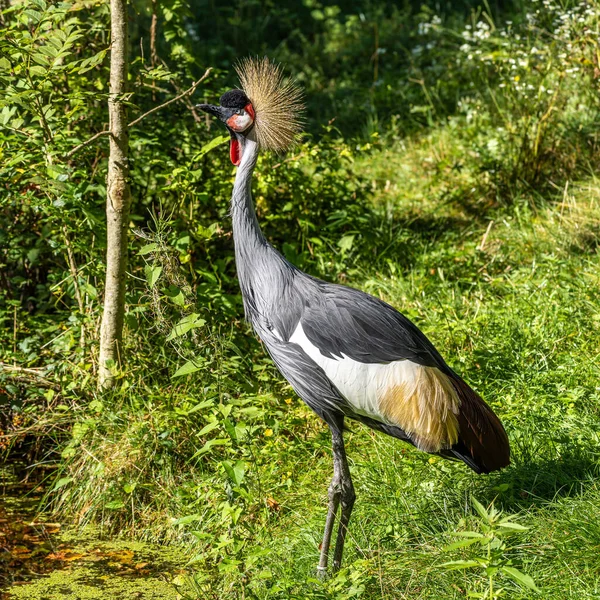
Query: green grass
{"points": [[517, 315], [482, 226]]}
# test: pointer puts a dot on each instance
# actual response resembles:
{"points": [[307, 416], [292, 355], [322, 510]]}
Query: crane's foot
{"points": [[322, 573], [341, 492]]}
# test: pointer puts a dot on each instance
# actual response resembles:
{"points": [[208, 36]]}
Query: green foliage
{"points": [[457, 183], [494, 560]]}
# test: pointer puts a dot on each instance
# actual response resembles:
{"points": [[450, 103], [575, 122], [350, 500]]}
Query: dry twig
{"points": [[28, 375]]}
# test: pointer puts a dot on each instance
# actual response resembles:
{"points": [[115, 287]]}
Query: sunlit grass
{"points": [[515, 311]]}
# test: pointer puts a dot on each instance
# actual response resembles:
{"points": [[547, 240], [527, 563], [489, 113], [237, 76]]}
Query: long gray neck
{"points": [[257, 263], [246, 230], [266, 278]]}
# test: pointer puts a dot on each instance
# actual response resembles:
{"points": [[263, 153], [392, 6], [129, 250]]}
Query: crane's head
{"points": [[268, 108]]}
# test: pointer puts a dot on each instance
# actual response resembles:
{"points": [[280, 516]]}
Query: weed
{"points": [[493, 559]]}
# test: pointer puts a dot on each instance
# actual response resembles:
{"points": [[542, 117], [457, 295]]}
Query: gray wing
{"points": [[306, 377], [344, 321]]}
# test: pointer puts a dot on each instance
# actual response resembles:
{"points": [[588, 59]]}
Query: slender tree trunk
{"points": [[118, 200]]}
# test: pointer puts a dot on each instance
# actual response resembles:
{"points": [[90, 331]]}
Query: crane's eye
{"points": [[240, 120]]}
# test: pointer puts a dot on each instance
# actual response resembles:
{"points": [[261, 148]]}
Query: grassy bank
{"points": [[474, 209], [509, 294]]}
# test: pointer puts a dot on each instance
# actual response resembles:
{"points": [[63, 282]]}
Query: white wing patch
{"points": [[361, 384], [421, 400]]}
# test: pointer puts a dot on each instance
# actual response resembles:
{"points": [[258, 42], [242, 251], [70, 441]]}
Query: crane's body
{"points": [[348, 354]]}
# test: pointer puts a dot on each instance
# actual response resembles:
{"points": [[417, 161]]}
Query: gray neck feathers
{"points": [[246, 230], [264, 275], [251, 247]]}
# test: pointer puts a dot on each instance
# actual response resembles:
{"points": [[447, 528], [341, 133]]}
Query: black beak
{"points": [[217, 111]]}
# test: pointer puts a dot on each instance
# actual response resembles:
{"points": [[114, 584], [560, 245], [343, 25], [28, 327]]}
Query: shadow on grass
{"points": [[536, 482]]}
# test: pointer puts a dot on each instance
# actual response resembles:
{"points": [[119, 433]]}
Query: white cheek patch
{"points": [[241, 122]]}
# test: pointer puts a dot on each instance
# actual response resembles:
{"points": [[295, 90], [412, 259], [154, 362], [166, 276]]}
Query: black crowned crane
{"points": [[345, 353]]}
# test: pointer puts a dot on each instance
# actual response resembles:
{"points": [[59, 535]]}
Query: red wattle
{"points": [[234, 152], [250, 110]]}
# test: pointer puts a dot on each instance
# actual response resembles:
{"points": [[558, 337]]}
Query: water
{"points": [[44, 560]]}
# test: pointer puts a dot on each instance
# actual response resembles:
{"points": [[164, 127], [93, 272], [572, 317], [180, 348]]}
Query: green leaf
{"points": [[152, 274], [513, 526], [189, 367], [34, 15], [521, 578], [37, 70], [49, 50], [147, 249], [175, 295], [189, 322], [207, 232], [235, 472], [346, 242], [209, 445], [480, 509], [469, 534], [114, 505], [187, 519], [208, 428], [200, 406], [221, 139], [461, 544], [61, 483], [460, 564]]}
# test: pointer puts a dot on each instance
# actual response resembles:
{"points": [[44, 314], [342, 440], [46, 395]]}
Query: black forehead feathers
{"points": [[234, 99]]}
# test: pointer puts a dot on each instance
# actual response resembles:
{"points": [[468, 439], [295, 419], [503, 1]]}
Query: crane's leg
{"points": [[334, 502], [347, 497], [341, 491]]}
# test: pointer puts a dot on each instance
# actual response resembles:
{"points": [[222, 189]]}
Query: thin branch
{"points": [[287, 160], [187, 92], [86, 143], [153, 27], [74, 270], [16, 130], [27, 375], [197, 118], [485, 236]]}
